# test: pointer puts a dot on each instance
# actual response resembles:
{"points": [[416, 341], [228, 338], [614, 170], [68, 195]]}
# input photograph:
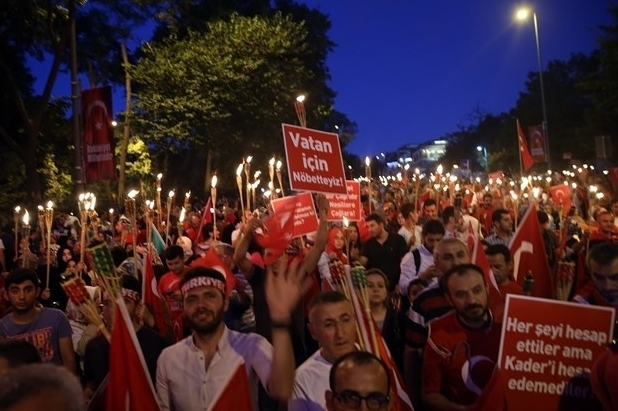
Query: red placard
{"points": [[348, 205], [305, 217], [548, 348], [314, 160]]}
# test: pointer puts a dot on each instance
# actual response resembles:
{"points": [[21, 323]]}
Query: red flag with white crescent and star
{"points": [[98, 134], [561, 194], [526, 158]]}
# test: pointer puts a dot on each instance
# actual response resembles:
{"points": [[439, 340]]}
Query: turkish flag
{"points": [[277, 234], [153, 300], [129, 386], [212, 260], [98, 134], [561, 194], [493, 396], [206, 218], [235, 394], [537, 143], [496, 175], [529, 256], [526, 158]]}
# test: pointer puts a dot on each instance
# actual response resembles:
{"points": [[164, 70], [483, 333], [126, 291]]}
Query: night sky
{"points": [[409, 71]]}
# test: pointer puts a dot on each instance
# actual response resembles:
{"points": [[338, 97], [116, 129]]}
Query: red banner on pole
{"points": [[348, 206], [548, 350], [526, 157], [314, 160], [537, 143], [98, 135]]}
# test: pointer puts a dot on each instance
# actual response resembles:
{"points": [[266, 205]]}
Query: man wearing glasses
{"points": [[356, 378]]}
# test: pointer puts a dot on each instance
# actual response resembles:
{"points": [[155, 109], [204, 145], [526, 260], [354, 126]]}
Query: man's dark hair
{"points": [[378, 218], [119, 254], [174, 251], [603, 253], [27, 381], [459, 270], [433, 227], [447, 213], [200, 271], [357, 358], [19, 352], [496, 249], [498, 213], [207, 231], [326, 297], [429, 202], [542, 216], [406, 209], [131, 283], [19, 275]]}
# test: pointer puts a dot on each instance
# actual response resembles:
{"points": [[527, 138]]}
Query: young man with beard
{"points": [[602, 288], [503, 227], [462, 347], [192, 373], [383, 250], [47, 329], [333, 325]]}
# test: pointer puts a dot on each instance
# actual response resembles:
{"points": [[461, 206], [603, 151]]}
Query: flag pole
{"points": [[521, 164]]}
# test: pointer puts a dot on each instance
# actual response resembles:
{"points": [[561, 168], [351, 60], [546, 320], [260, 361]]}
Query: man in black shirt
{"points": [[383, 250]]}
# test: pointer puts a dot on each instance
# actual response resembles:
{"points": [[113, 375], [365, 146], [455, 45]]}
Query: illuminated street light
{"points": [[483, 150], [522, 15]]}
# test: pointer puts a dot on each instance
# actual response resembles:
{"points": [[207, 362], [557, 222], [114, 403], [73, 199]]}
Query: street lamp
{"points": [[482, 149], [522, 14]]}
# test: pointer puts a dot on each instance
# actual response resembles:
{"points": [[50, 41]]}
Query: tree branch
{"points": [[11, 142]]}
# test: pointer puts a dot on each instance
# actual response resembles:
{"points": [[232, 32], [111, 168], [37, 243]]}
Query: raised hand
{"points": [[285, 286]]}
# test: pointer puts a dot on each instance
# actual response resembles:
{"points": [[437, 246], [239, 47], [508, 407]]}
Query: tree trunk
{"points": [[207, 178], [124, 144], [33, 183]]}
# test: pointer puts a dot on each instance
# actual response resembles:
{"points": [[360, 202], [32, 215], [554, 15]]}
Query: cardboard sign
{"points": [[348, 205], [305, 217], [547, 352], [314, 160]]}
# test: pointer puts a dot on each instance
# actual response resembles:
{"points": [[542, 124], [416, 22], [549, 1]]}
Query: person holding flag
{"points": [[215, 368], [96, 358]]}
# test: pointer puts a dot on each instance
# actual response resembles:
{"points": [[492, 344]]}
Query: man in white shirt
{"points": [[193, 373], [332, 323], [410, 230], [419, 263]]}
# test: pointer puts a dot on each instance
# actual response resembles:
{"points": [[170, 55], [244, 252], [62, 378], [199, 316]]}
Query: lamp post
{"points": [[522, 14], [483, 149]]}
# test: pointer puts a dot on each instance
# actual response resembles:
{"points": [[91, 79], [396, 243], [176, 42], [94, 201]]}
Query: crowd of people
{"points": [[283, 319]]}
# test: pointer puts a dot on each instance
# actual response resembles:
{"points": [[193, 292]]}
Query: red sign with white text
{"points": [[348, 205], [314, 160], [547, 352], [305, 217]]}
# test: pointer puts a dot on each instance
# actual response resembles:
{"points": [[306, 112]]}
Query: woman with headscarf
{"points": [[335, 250]]}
